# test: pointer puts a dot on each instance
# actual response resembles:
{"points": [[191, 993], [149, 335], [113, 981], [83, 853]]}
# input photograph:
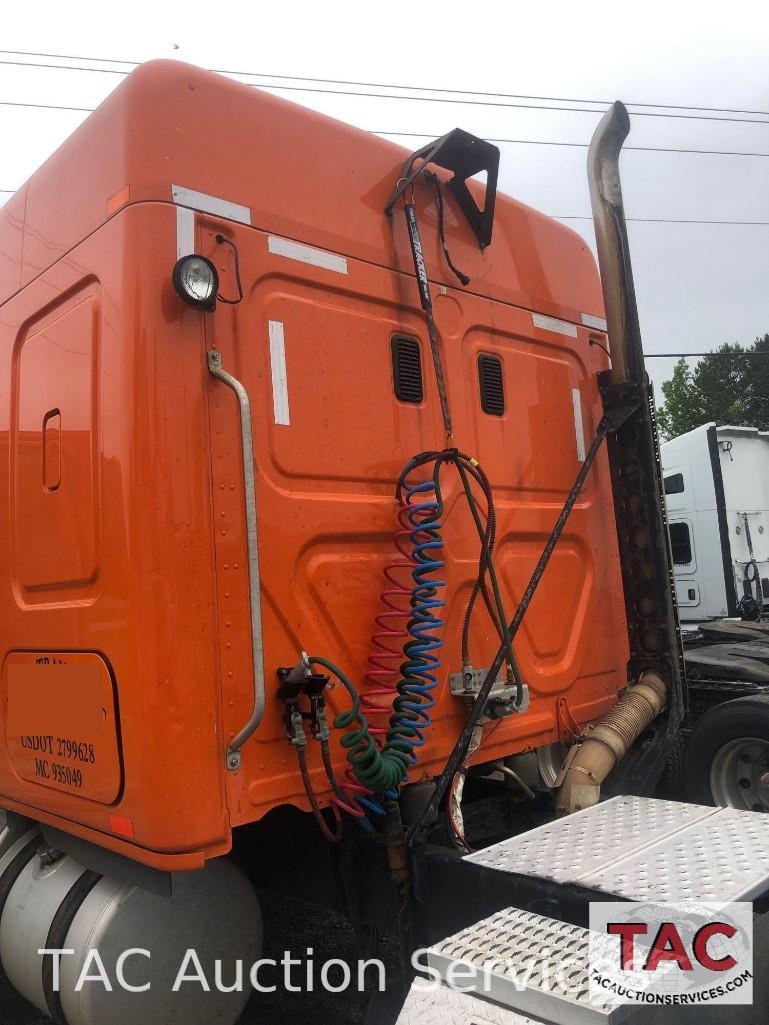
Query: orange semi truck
{"points": [[327, 517]]}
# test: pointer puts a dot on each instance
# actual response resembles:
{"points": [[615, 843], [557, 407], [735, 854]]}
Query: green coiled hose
{"points": [[380, 771]]}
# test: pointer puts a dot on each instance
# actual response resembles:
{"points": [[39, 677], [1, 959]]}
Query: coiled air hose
{"points": [[381, 770]]}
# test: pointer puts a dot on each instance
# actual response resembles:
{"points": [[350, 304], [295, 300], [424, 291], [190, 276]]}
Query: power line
{"points": [[586, 145], [45, 106], [388, 85], [699, 355], [662, 110], [661, 220], [636, 220], [435, 135]]}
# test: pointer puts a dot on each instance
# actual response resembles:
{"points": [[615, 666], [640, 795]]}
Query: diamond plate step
{"points": [[445, 1006], [639, 848], [724, 857], [531, 964]]}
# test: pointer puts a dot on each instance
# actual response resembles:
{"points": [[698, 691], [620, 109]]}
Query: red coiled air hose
{"points": [[387, 643]]}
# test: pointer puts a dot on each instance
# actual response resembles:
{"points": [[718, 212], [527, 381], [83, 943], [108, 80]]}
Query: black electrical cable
{"points": [[463, 278], [486, 563], [460, 749], [325, 751], [426, 301], [336, 836], [222, 239], [487, 535], [594, 341], [488, 540]]}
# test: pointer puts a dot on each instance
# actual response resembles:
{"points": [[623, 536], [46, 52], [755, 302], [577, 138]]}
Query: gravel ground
{"points": [[290, 925]]}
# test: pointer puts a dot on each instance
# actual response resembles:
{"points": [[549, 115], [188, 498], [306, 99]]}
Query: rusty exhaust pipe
{"points": [[606, 743], [619, 299]]}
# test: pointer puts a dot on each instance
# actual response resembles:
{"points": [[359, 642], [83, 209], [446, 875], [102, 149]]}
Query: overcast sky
{"points": [[698, 285]]}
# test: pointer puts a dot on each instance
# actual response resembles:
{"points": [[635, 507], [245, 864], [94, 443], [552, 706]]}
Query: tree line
{"points": [[728, 386]]}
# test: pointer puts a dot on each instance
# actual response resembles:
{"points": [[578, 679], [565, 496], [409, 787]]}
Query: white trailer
{"points": [[717, 493]]}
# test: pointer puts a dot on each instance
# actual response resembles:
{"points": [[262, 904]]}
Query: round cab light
{"points": [[196, 281]]}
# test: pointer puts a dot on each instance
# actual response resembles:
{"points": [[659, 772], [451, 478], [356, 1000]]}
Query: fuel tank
{"points": [[125, 948]]}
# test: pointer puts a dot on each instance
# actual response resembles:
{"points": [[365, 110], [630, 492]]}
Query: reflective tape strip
{"points": [[210, 204], [306, 254], [185, 232], [595, 322], [279, 378], [561, 327], [579, 427]]}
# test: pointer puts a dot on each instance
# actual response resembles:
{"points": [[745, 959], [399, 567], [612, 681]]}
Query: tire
{"points": [[727, 755]]}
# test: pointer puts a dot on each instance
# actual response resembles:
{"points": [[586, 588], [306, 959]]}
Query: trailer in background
{"points": [[717, 493]]}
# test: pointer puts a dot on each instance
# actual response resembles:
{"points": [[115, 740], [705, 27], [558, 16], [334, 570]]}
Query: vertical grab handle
{"points": [[254, 590]]}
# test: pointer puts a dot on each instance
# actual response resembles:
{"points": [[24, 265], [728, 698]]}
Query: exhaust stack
{"points": [[614, 262], [639, 508]]}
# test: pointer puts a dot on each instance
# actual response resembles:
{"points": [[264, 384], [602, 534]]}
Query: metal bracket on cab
{"points": [[501, 699], [215, 367]]}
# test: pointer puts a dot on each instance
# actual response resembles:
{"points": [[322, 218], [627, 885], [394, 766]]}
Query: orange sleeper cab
{"points": [[126, 636]]}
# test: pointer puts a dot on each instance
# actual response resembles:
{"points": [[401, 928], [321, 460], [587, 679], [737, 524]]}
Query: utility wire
{"points": [[45, 106], [586, 145], [436, 135], [376, 85], [662, 110], [661, 220], [648, 355], [699, 355], [637, 220]]}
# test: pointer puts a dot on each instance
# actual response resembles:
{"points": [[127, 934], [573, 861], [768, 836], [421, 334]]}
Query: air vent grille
{"points": [[491, 385], [407, 369]]}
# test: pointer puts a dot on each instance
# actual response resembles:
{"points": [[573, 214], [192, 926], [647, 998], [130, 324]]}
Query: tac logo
{"points": [[671, 954], [669, 945]]}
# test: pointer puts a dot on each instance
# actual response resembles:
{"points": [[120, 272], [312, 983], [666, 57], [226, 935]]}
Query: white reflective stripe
{"points": [[279, 378], [561, 327], [210, 204], [185, 232], [596, 322], [306, 254], [579, 427]]}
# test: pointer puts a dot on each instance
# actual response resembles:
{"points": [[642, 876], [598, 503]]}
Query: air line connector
{"points": [[289, 691], [294, 683]]}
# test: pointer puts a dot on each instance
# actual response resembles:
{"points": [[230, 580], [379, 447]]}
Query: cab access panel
{"points": [[111, 725]]}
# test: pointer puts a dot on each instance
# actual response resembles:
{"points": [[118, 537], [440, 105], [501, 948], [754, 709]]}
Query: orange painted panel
{"points": [[122, 529], [54, 448], [61, 725], [150, 608]]}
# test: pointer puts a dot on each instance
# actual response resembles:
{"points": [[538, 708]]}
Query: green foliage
{"points": [[724, 386]]}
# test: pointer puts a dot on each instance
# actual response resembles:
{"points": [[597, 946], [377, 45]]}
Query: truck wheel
{"points": [[727, 756]]}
